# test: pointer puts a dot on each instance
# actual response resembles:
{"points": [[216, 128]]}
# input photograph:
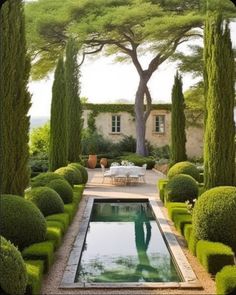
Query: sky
{"points": [[103, 81]]}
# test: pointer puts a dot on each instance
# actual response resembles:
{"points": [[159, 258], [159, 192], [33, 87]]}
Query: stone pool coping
{"points": [[189, 278]]}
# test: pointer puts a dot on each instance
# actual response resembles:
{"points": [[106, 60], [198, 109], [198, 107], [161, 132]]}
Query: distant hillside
{"points": [[38, 121]]}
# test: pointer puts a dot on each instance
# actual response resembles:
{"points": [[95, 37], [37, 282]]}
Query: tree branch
{"points": [[90, 52], [149, 103]]}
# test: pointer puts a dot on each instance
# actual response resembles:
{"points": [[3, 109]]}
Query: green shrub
{"points": [[13, 275], [21, 221], [63, 188], [180, 220], [62, 218], [174, 211], [187, 231], [214, 216], [214, 256], [192, 242], [54, 234], [181, 188], [44, 178], [78, 193], [56, 224], [72, 175], [83, 171], [226, 280], [40, 251], [71, 210], [161, 187], [184, 168], [46, 199], [35, 275], [139, 160]]}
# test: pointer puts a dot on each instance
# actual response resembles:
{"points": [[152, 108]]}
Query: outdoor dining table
{"points": [[125, 170]]}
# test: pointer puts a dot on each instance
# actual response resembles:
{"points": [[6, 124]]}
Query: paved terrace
{"points": [[95, 187]]}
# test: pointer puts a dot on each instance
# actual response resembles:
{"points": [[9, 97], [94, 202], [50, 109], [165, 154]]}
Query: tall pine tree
{"points": [[75, 122], [178, 136], [14, 100], [58, 147], [219, 146]]}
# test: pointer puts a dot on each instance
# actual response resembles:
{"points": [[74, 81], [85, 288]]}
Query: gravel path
{"points": [[95, 187]]}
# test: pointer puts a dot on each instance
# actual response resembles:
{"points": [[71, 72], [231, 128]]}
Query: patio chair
{"points": [[143, 172], [133, 178], [115, 164], [120, 178], [106, 174]]}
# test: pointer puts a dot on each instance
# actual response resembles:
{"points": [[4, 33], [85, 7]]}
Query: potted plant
{"points": [[92, 150]]}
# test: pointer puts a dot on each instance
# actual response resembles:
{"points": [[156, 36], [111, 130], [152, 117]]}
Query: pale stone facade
{"points": [[103, 122]]}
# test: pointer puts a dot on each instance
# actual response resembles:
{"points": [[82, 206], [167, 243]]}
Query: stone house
{"points": [[114, 121]]}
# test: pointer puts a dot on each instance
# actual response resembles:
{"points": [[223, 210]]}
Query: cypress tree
{"points": [[178, 136], [14, 100], [75, 123], [219, 146], [58, 147]]}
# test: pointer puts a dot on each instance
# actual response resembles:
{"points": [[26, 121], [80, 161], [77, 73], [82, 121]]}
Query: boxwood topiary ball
{"points": [[181, 188], [21, 221], [214, 216], [13, 275], [63, 188], [46, 199], [184, 168], [71, 174], [44, 178], [83, 171]]}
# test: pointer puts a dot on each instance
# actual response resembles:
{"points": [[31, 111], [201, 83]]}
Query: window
{"points": [[159, 124], [115, 127]]}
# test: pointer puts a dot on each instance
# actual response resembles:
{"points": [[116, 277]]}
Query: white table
{"points": [[126, 170]]}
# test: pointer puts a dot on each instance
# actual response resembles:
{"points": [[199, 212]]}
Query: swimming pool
{"points": [[126, 243]]}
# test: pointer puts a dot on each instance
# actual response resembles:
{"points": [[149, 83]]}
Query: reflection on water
{"points": [[124, 244]]}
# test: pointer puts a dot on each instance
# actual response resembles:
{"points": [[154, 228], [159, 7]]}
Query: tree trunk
{"points": [[140, 119]]}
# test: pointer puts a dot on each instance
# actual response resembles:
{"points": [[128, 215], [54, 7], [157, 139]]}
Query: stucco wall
{"points": [[194, 145]]}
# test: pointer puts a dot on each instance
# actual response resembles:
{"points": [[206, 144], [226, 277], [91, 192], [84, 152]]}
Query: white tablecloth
{"points": [[126, 170]]}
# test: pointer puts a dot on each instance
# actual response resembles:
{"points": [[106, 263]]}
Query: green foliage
{"points": [[181, 188], [192, 242], [46, 199], [35, 273], [94, 143], [71, 174], [159, 153], [188, 228], [139, 160], [63, 188], [181, 220], [83, 171], [214, 256], [161, 187], [178, 136], [54, 234], [39, 140], [15, 100], [75, 122], [213, 213], [58, 146], [226, 280], [40, 251], [56, 224], [21, 221], [44, 179], [127, 144], [13, 275], [62, 218], [184, 168], [38, 164], [174, 205], [174, 211], [78, 193], [219, 79], [70, 209]]}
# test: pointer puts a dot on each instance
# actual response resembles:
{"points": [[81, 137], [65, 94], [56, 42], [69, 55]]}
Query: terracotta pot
{"points": [[92, 161], [103, 161]]}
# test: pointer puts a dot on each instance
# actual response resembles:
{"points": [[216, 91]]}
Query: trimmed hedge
{"points": [[62, 218], [192, 242], [21, 221], [83, 171], [70, 209], [185, 167], [161, 187], [226, 280], [180, 220], [71, 174], [44, 178], [188, 228], [13, 275], [181, 188], [214, 216], [56, 224], [46, 199], [54, 234], [35, 275], [139, 160], [63, 188], [78, 193], [214, 256], [173, 212], [40, 251]]}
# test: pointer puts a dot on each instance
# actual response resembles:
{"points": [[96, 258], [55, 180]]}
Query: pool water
{"points": [[124, 244]]}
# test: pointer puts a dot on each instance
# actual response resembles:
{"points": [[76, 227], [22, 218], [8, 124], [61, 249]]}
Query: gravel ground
{"points": [[95, 187]]}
